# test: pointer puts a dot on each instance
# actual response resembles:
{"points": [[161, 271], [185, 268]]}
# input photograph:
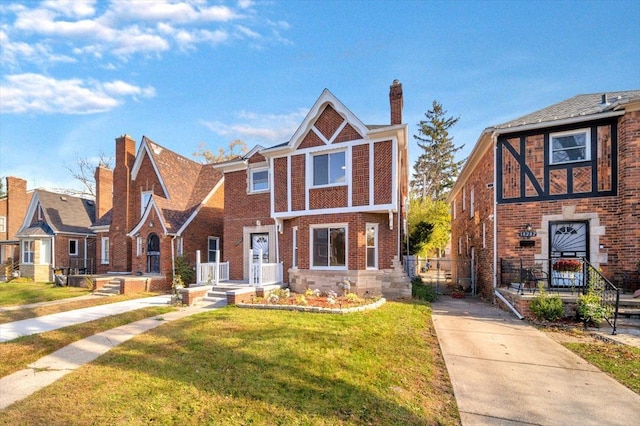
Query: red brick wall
{"points": [[328, 198], [298, 199], [360, 175], [280, 184], [382, 172], [310, 140], [328, 122], [104, 190], [120, 222], [348, 133]]}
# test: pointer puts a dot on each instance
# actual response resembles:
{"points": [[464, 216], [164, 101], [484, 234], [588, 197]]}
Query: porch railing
{"points": [[211, 273], [609, 294], [261, 273]]}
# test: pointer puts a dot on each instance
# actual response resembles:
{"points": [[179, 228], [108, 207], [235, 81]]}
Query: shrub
{"points": [[590, 308], [545, 307], [184, 270], [422, 291]]}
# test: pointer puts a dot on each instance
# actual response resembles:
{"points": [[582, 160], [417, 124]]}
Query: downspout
{"points": [[85, 253], [506, 302], [173, 261]]}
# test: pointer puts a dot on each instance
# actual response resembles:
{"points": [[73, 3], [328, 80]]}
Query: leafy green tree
{"points": [[429, 226], [435, 169], [236, 148]]}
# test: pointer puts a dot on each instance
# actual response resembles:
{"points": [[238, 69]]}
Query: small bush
{"points": [[548, 308], [184, 270], [590, 308], [422, 291]]}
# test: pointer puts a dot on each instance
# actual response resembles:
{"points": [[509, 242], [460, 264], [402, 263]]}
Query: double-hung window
{"points": [[372, 246], [568, 147], [27, 251], [329, 246], [259, 180], [104, 247], [3, 224], [145, 196], [213, 245], [73, 247], [329, 169]]}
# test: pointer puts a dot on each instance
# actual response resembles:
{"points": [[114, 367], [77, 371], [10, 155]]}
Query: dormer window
{"points": [[569, 147], [258, 180], [329, 169]]}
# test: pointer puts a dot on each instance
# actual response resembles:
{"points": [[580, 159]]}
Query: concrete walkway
{"points": [[506, 372], [13, 330], [52, 367]]}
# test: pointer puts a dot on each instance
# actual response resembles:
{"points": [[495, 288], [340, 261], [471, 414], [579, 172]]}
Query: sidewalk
{"points": [[506, 372], [12, 330], [52, 367]]}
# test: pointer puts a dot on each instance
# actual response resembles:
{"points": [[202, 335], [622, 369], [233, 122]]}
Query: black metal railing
{"points": [[81, 266], [609, 294]]}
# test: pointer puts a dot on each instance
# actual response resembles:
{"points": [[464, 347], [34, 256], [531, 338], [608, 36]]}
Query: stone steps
{"points": [[112, 288]]}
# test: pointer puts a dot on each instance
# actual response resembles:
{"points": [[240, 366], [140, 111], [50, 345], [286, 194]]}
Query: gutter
{"points": [[506, 302]]}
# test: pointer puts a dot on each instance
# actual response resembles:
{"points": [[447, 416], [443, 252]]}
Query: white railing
{"points": [[264, 273], [211, 273]]}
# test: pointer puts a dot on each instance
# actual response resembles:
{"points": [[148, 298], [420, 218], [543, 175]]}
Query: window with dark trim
{"points": [[568, 147]]}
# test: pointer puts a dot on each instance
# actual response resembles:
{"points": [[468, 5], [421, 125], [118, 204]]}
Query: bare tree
{"points": [[236, 148], [83, 171]]}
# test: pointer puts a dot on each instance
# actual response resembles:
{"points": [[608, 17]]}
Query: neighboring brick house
{"points": [[13, 207], [571, 171], [154, 206], [327, 204], [55, 234]]}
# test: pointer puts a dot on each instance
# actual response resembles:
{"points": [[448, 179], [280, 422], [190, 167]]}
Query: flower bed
{"points": [[314, 301]]}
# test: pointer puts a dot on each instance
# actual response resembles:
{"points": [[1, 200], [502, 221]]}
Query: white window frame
{"points": [[464, 198], [329, 154], [294, 244], [329, 226], [459, 245], [453, 207], [179, 246], [211, 256], [45, 252], [3, 224], [472, 203], [587, 147], [77, 250], [484, 235], [252, 172], [139, 246], [28, 248], [145, 197], [374, 246], [40, 213], [104, 250]]}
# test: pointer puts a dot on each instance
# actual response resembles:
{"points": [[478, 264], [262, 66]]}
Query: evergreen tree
{"points": [[435, 170]]}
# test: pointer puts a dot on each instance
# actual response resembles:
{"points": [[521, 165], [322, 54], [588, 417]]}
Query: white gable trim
{"points": [[326, 98], [142, 151], [143, 219]]}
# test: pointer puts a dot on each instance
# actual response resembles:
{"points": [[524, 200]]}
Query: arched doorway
{"points": [[153, 254]]}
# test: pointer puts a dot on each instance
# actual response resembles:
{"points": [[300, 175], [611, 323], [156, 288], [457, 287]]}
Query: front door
{"points": [[568, 239], [153, 254], [260, 242]]}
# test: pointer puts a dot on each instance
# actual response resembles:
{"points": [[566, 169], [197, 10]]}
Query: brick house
{"points": [[327, 204], [560, 182], [55, 234], [13, 207], [154, 206]]}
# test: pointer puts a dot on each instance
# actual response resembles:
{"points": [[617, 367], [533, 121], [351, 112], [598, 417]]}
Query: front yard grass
{"points": [[241, 366], [17, 354], [24, 293], [619, 361]]}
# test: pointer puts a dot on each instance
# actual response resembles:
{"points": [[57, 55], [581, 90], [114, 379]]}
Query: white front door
{"points": [[260, 242]]}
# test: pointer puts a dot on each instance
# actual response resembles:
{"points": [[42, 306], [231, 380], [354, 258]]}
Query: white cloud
{"points": [[259, 127], [74, 8], [35, 93]]}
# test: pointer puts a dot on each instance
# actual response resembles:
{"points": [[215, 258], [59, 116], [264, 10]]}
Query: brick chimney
{"points": [[17, 203], [395, 99], [104, 190], [121, 244]]}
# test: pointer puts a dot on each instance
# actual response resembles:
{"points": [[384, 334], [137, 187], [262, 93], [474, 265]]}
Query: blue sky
{"points": [[74, 75]]}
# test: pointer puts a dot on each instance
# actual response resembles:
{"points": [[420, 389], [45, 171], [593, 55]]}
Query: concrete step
{"points": [[218, 302], [111, 288], [217, 294], [629, 313]]}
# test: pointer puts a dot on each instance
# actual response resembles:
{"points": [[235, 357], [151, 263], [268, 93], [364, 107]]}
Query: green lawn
{"points": [[619, 361], [241, 366], [23, 293]]}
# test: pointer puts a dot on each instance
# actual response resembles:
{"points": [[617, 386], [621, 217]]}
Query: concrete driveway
{"points": [[506, 372]]}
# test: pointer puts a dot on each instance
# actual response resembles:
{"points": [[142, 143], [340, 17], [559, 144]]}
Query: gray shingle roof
{"points": [[577, 106], [66, 213]]}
